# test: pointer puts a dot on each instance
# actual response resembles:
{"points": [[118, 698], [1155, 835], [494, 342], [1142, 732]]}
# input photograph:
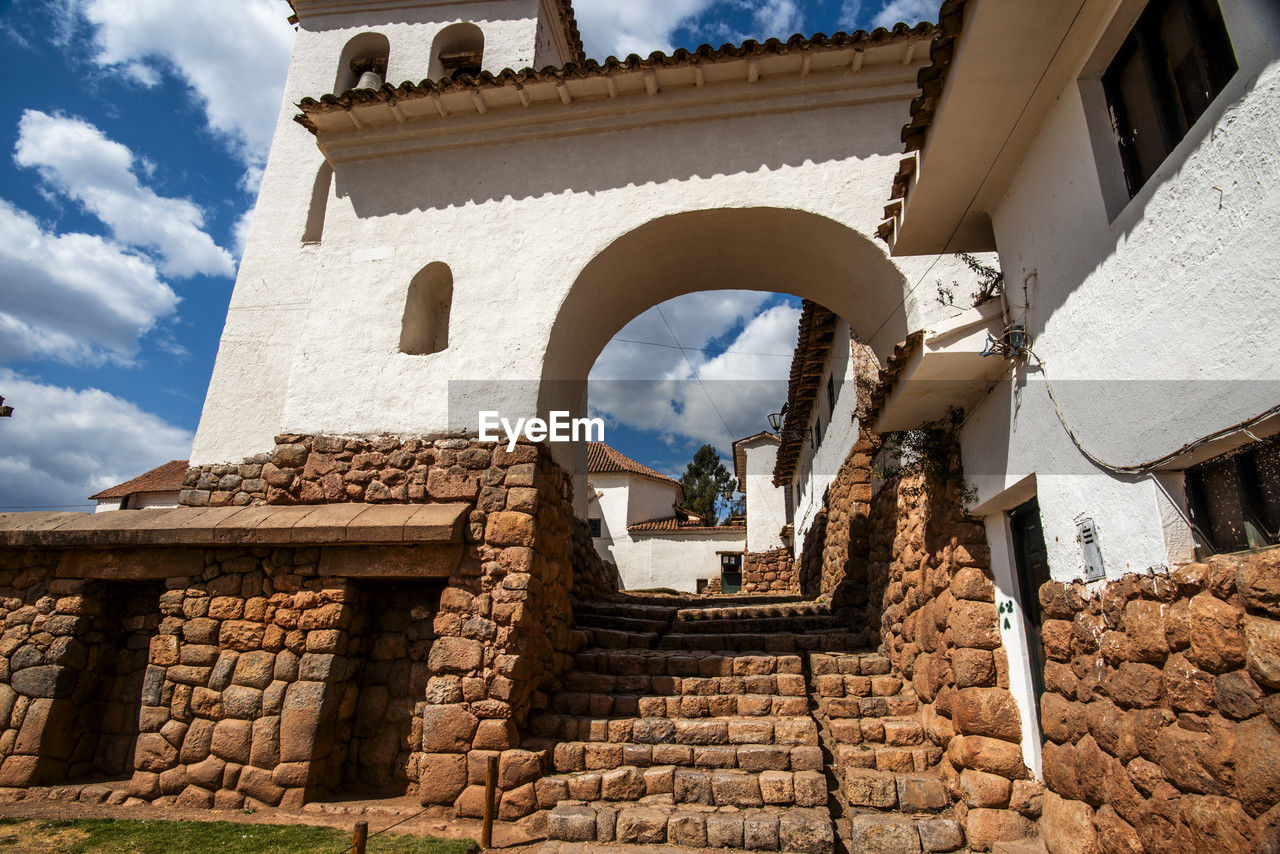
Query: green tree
{"points": [[706, 483]]}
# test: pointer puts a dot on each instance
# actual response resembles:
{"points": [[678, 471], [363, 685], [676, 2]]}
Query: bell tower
{"points": [[302, 205]]}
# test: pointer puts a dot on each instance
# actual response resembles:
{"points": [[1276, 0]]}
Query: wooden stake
{"points": [[490, 789], [359, 837]]}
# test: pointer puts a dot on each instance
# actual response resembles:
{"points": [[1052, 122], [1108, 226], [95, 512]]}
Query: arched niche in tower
{"points": [[365, 53], [424, 328], [458, 51]]}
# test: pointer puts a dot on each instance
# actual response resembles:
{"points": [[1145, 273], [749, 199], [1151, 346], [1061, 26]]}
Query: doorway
{"points": [[1031, 564], [730, 573]]}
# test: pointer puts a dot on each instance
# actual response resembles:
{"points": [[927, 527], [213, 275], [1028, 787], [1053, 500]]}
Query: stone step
{"points": [[881, 833], [864, 663], [789, 731], [674, 663], [721, 787], [747, 611], [909, 792], [836, 686], [617, 639], [798, 830], [625, 609], [1034, 845], [593, 682], [554, 847], [681, 706], [613, 621], [897, 706], [567, 757], [886, 758], [873, 732], [759, 625], [826, 641]]}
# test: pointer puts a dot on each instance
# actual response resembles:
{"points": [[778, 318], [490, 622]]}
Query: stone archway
{"points": [[782, 250]]}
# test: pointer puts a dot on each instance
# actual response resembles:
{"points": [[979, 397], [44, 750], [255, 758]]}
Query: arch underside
{"points": [[759, 248]]}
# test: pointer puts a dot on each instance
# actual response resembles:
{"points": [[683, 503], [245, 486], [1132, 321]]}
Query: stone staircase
{"points": [[747, 723]]}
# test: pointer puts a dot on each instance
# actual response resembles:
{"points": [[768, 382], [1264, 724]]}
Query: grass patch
{"points": [[108, 836]]}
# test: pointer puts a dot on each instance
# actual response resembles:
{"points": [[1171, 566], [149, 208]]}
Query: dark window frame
{"points": [[1247, 468], [1216, 64], [597, 528]]}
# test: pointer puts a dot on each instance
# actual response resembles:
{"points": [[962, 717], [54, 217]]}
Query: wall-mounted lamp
{"points": [[775, 420]]}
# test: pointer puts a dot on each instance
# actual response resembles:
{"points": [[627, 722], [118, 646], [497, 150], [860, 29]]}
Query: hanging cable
{"points": [[725, 424]]}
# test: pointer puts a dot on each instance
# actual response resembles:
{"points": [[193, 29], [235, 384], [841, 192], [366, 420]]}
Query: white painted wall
{"points": [[139, 501], [311, 341], [766, 507], [1156, 328], [676, 560], [818, 467]]}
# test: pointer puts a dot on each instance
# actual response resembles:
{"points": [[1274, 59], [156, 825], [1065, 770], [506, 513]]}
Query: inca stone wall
{"points": [[271, 675], [770, 572], [1162, 711], [833, 560]]}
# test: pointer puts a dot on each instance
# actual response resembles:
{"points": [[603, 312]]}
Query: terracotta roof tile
{"points": [[673, 524], [603, 459], [586, 68], [931, 79], [813, 347], [166, 478]]}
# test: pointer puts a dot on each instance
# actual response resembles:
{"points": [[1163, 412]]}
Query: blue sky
{"points": [[134, 133]]}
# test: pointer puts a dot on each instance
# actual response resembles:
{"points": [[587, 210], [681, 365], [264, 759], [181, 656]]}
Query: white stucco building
{"points": [[152, 490], [1136, 232], [754, 459], [636, 523]]}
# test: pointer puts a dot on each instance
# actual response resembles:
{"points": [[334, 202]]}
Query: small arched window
{"points": [[364, 55], [458, 52], [425, 327]]}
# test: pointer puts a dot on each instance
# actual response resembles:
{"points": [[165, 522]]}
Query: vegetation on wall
{"points": [[929, 450], [990, 283]]}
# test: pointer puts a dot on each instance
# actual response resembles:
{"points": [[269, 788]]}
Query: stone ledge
{"points": [[324, 524]]}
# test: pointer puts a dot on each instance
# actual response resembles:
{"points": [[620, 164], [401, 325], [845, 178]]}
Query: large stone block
{"points": [[988, 712], [803, 831], [455, 655], [641, 826], [975, 624], [884, 834], [233, 740], [1067, 826], [572, 823], [47, 681], [1217, 634], [448, 729]]}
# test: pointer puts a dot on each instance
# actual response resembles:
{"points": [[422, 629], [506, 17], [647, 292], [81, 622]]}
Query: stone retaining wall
{"points": [[1162, 711], [770, 572], [267, 676]]}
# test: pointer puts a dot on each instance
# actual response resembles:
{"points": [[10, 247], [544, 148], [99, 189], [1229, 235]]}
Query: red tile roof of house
{"points": [[166, 478], [675, 525], [602, 459]]}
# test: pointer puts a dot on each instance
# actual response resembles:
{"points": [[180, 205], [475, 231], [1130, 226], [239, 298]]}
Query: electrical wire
{"points": [[725, 424], [721, 350], [1150, 465]]}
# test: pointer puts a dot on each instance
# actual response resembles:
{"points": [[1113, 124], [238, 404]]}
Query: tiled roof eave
{"points": [[932, 80], [589, 68], [813, 348]]}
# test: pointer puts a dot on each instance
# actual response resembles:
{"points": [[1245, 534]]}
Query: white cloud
{"points": [[78, 160], [622, 27], [233, 55], [908, 11], [654, 389], [63, 445], [240, 232], [780, 18], [73, 297]]}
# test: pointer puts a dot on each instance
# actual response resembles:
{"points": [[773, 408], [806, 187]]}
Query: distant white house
{"points": [[754, 459], [156, 489], [636, 523]]}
